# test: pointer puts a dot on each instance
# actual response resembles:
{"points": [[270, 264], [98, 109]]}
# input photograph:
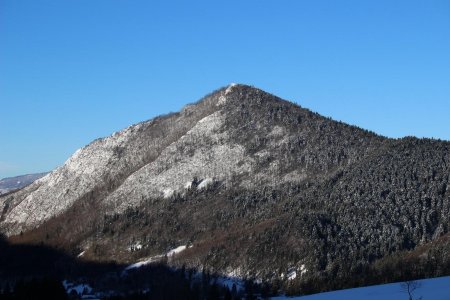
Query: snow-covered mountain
{"points": [[164, 156], [18, 182], [257, 185]]}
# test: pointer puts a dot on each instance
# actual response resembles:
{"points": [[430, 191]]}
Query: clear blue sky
{"points": [[73, 71]]}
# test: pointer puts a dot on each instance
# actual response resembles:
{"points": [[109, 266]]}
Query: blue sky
{"points": [[73, 71]]}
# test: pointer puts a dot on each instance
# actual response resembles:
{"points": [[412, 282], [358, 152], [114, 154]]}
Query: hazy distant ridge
{"points": [[14, 183]]}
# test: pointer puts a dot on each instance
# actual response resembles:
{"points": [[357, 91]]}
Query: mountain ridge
{"points": [[250, 180], [9, 184], [121, 136]]}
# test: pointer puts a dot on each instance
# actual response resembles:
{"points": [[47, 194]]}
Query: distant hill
{"points": [[15, 183]]}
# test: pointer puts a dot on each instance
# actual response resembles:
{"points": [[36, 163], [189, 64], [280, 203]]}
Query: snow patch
{"points": [[230, 88], [76, 154], [135, 247], [175, 251], [205, 183], [277, 131], [188, 185], [295, 176], [303, 269], [291, 275], [143, 263], [156, 258], [222, 100], [167, 193]]}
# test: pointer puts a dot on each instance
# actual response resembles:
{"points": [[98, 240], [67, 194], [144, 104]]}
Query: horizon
{"points": [[74, 72]]}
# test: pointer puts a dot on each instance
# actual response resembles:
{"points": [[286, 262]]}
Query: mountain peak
{"points": [[238, 93], [242, 171]]}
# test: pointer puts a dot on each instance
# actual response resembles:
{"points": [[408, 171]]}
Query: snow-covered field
{"points": [[433, 289]]}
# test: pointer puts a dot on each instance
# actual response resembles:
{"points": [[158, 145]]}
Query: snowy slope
{"points": [[100, 167], [435, 289]]}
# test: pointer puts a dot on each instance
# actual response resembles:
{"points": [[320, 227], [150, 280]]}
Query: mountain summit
{"points": [[250, 183]]}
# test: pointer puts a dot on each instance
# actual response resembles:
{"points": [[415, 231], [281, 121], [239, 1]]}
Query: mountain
{"points": [[18, 182], [244, 184]]}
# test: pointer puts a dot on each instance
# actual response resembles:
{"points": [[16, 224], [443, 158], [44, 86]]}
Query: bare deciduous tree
{"points": [[410, 288]]}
